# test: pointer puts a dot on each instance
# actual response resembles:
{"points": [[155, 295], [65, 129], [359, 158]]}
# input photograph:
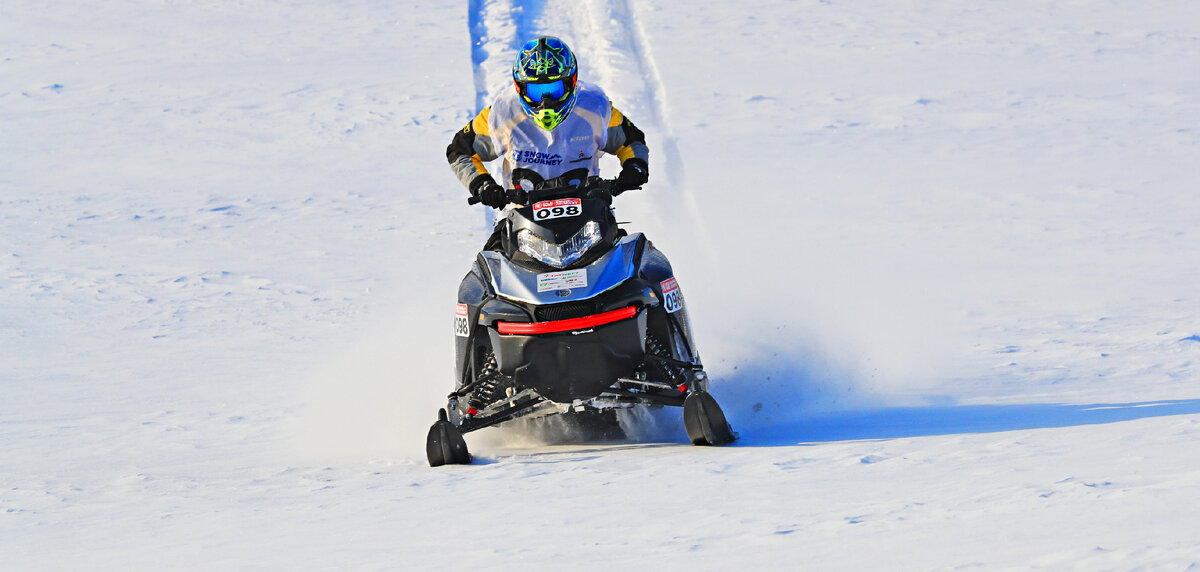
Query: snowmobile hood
{"points": [[524, 285]]}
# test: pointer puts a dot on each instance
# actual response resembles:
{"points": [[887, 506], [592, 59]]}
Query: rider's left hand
{"points": [[634, 174], [602, 194]]}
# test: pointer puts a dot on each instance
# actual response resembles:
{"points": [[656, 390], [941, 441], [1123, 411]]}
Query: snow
{"points": [[942, 260]]}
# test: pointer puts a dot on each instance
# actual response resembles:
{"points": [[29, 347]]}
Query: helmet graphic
{"points": [[544, 74]]}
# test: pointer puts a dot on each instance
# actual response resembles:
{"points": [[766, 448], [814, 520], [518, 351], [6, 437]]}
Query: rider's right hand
{"points": [[488, 191]]}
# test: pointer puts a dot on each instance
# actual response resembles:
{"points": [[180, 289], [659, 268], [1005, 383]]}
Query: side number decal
{"points": [[672, 297], [462, 329]]}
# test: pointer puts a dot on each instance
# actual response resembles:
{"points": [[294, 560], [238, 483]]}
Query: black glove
{"points": [[634, 174], [488, 191], [602, 194]]}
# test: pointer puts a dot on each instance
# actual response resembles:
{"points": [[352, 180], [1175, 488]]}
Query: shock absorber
{"points": [[489, 388], [672, 374]]}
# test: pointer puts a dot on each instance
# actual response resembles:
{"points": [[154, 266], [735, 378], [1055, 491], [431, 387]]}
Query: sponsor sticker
{"points": [[462, 328], [557, 209], [564, 280], [672, 297]]}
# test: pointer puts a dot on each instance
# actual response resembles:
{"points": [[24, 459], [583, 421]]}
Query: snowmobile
{"points": [[563, 313]]}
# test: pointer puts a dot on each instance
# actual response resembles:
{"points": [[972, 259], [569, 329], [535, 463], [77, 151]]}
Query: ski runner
{"points": [[549, 126]]}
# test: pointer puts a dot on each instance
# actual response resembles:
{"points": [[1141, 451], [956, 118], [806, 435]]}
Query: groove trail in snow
{"points": [[477, 25], [497, 28], [640, 49], [656, 93]]}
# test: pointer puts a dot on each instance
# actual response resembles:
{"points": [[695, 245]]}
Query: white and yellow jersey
{"points": [[504, 131]]}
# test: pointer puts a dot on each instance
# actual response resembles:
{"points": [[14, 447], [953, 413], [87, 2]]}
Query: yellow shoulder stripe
{"points": [[480, 123], [616, 118]]}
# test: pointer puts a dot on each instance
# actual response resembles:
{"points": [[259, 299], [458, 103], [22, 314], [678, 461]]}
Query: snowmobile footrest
{"points": [[651, 398]]}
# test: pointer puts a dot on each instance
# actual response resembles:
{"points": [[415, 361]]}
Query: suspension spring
{"points": [[488, 390], [673, 374]]}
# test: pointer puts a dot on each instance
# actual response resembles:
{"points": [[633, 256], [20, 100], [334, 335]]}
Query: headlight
{"points": [[559, 255]]}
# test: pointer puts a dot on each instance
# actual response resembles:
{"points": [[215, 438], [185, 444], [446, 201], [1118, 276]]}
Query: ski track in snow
{"points": [[673, 159]]}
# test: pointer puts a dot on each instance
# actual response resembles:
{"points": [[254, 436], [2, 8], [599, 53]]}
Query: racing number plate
{"points": [[672, 297], [560, 208], [462, 329]]}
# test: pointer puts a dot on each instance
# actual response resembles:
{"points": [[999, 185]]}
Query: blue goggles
{"points": [[536, 92]]}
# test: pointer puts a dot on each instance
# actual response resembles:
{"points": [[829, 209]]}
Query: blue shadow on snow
{"points": [[899, 422]]}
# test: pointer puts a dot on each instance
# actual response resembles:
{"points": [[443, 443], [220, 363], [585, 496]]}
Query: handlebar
{"points": [[593, 187]]}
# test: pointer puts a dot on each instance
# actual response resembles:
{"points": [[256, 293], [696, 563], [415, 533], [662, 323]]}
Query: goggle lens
{"points": [[535, 92]]}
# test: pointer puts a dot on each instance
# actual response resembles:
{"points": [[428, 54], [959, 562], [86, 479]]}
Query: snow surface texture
{"points": [[942, 259]]}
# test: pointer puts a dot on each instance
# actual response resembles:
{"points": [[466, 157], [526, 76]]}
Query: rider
{"points": [[550, 125]]}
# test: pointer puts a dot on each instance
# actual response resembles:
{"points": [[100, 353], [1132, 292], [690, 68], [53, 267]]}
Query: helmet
{"points": [[544, 74]]}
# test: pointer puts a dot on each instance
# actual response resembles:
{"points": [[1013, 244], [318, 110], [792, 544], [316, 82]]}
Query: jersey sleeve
{"points": [[625, 140], [471, 147]]}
